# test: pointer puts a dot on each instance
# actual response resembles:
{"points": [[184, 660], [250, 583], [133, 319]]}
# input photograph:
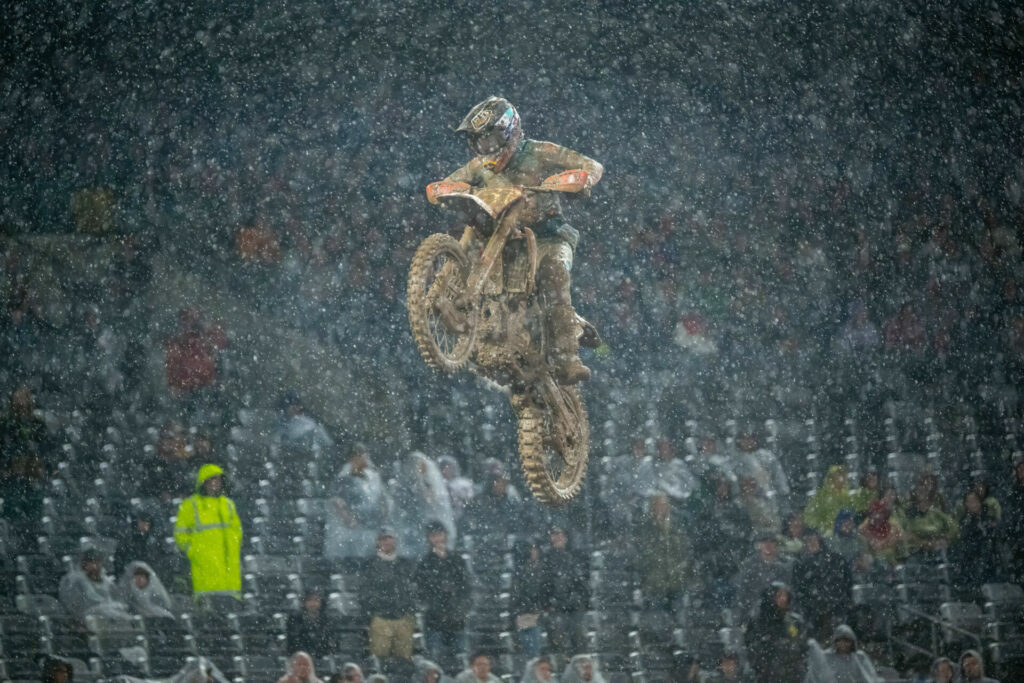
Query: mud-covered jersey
{"points": [[534, 161]]}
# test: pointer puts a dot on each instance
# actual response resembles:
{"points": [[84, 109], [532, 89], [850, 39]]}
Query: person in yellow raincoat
{"points": [[209, 532]]}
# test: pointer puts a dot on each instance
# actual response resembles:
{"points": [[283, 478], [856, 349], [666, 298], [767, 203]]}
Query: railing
{"points": [[934, 623]]}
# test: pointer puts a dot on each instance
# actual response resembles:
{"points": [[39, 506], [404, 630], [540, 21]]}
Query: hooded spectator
{"points": [[823, 585], [357, 511], [419, 493], [208, 531], [538, 670], [943, 671], [775, 639], [460, 488], [972, 668], [145, 592], [565, 576], [89, 591], [846, 541], [581, 669], [843, 662], [143, 543], [479, 670], [830, 498], [296, 441], [312, 628], [493, 513], [763, 465], [973, 555], [300, 670], [429, 672]]}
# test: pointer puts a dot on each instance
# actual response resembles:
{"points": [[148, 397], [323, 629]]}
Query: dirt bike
{"points": [[472, 304]]}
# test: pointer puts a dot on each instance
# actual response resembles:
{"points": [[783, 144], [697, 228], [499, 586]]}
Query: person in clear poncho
{"points": [[420, 494], [87, 590], [538, 670], [357, 511], [841, 663], [581, 669], [300, 670], [200, 670], [144, 592]]}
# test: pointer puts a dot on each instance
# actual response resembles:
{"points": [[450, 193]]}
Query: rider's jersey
{"points": [[530, 165]]}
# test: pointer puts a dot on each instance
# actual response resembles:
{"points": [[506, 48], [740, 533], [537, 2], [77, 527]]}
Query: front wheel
{"points": [[554, 443], [443, 323]]}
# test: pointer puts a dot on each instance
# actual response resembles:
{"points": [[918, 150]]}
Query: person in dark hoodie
{"points": [[312, 629], [775, 638], [527, 596], [565, 577], [972, 668], [823, 585], [943, 671], [142, 542], [443, 589]]}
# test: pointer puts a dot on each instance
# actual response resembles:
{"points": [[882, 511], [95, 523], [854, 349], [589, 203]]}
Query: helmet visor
{"points": [[488, 142]]}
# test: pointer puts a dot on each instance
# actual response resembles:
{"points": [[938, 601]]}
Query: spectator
{"points": [[762, 465], [823, 585], [565, 577], [168, 470], [141, 543], [842, 662], [479, 670], [759, 570], [626, 486], [866, 493], [538, 670], [730, 669], [493, 513], [460, 488], [972, 668], [389, 597], [943, 671], [973, 556], [24, 445], [357, 512], [724, 539], [831, 497], [443, 587], [351, 673], [209, 532], [429, 672], [846, 541], [419, 493], [668, 474], [528, 596], [927, 527], [882, 532], [664, 557], [993, 510], [89, 591], [300, 670], [791, 540], [581, 669], [191, 360], [775, 638], [1013, 513], [145, 592], [57, 670], [297, 441], [762, 509], [312, 629]]}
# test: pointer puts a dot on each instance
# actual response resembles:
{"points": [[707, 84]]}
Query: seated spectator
{"points": [[927, 527], [479, 670], [88, 590], [141, 543], [943, 671], [443, 588], [846, 541], [300, 670], [460, 488], [351, 673], [775, 638], [866, 493], [581, 669], [312, 629], [389, 599], [762, 509], [759, 570], [419, 493], [429, 672], [791, 540], [358, 509], [831, 497], [57, 670], [974, 556], [538, 670], [882, 532], [928, 486], [565, 577], [664, 557], [993, 509], [729, 670], [823, 585], [972, 668], [527, 596], [841, 662], [145, 592]]}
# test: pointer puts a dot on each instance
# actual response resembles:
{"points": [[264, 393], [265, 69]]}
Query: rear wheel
{"points": [[443, 324], [554, 444]]}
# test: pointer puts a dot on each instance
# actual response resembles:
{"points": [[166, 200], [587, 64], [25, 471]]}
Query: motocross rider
{"points": [[505, 157]]}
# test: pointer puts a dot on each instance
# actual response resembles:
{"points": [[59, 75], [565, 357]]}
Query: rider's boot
{"points": [[569, 369]]}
